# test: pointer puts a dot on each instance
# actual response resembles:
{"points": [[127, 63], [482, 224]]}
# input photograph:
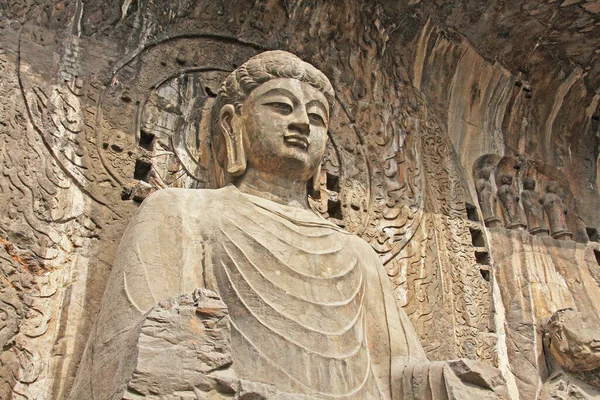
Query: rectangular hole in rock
{"points": [[597, 254], [482, 257], [146, 140], [593, 234], [334, 209], [142, 169], [471, 212], [477, 237], [333, 183]]}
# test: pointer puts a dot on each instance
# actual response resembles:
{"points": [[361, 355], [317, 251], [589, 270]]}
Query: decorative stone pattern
{"points": [[103, 103]]}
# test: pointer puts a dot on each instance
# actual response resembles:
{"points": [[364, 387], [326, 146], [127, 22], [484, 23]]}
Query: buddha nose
{"points": [[300, 122]]}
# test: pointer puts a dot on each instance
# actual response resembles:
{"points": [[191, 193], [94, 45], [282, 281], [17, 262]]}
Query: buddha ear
{"points": [[314, 188], [232, 131]]}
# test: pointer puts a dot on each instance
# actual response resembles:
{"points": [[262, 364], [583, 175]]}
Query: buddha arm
{"points": [[154, 261], [446, 380], [413, 377]]}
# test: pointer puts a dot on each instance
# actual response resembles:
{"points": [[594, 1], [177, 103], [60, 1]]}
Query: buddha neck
{"points": [[274, 188]]}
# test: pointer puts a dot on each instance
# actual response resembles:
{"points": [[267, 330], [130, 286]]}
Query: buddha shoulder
{"points": [[177, 202], [364, 250]]}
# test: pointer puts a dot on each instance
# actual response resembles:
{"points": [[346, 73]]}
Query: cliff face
{"points": [[525, 76], [105, 102]]}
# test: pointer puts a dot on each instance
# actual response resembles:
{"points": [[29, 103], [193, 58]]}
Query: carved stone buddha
{"points": [[487, 199], [511, 204], [312, 313], [532, 204], [557, 212]]}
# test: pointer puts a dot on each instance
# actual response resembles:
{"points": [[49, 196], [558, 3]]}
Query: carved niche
{"points": [[538, 195]]}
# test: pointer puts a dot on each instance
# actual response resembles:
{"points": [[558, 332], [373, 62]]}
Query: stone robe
{"points": [[312, 311], [556, 213], [487, 200], [533, 211], [510, 206]]}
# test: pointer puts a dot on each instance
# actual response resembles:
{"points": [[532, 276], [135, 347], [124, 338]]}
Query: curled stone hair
{"points": [[256, 71]]}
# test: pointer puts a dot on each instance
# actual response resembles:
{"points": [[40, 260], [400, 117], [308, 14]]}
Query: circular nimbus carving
{"points": [[154, 128]]}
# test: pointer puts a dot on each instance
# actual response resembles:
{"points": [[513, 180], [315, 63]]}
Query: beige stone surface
{"points": [[538, 276], [103, 103], [312, 312], [572, 350]]}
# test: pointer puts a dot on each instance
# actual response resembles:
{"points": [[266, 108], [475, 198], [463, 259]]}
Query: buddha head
{"points": [[528, 183], [485, 174], [272, 114], [506, 179], [573, 341], [551, 187]]}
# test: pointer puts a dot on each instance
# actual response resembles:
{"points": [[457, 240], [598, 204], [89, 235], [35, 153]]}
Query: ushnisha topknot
{"points": [[266, 66]]}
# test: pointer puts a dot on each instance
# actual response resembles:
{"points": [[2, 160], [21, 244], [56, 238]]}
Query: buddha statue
{"points": [[312, 312], [532, 204], [487, 199], [511, 204], [557, 213]]}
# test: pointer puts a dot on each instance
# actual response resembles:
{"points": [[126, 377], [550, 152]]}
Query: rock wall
{"points": [[105, 102]]}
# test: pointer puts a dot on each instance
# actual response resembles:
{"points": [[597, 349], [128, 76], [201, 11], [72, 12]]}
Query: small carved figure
{"points": [[534, 212], [572, 350], [510, 204], [557, 212], [487, 199]]}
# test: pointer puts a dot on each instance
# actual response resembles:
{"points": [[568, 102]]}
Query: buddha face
{"points": [[284, 124]]}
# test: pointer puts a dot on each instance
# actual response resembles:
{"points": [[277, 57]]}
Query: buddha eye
{"points": [[281, 108], [316, 119]]}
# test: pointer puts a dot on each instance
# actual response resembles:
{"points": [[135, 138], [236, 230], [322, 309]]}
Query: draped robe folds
{"points": [[312, 311], [556, 213], [533, 210], [486, 199]]}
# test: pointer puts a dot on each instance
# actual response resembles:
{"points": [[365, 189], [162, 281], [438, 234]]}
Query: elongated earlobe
{"points": [[314, 188], [234, 140]]}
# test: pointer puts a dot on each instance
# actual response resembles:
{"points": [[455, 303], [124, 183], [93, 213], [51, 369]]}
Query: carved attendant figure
{"points": [[572, 349], [532, 204], [487, 199], [557, 213], [311, 309], [510, 204]]}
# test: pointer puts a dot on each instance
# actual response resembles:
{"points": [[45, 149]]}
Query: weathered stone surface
{"points": [[572, 350], [181, 342], [100, 106], [312, 312], [540, 275]]}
